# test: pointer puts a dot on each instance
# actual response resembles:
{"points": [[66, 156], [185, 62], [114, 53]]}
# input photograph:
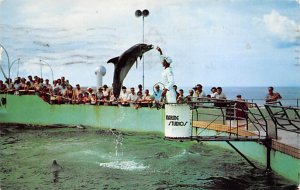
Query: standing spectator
{"points": [[157, 94], [30, 80], [47, 84], [190, 96], [272, 96], [241, 108], [181, 98], [123, 95], [23, 84], [175, 89], [213, 92], [132, 97], [94, 99], [219, 94], [199, 93], [69, 94], [99, 94], [2, 87], [106, 92], [140, 88], [77, 92]]}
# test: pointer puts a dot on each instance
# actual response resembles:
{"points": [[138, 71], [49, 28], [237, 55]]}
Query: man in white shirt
{"points": [[219, 94], [132, 97], [167, 79], [123, 95]]}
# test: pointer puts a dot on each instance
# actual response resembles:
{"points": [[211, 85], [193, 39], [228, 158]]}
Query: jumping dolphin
{"points": [[124, 62]]}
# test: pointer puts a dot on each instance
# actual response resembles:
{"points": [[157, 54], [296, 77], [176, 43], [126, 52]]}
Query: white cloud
{"points": [[281, 26]]}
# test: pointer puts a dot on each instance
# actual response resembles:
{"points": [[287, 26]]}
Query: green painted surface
{"points": [[32, 110]]}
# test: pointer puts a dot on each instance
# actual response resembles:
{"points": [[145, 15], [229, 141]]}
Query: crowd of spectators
{"points": [[62, 92]]}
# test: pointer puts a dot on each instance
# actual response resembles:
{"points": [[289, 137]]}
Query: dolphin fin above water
{"points": [[123, 64]]}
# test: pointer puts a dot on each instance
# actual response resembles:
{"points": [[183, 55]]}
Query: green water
{"points": [[93, 159]]}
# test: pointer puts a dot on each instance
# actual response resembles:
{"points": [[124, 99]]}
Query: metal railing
{"points": [[285, 118], [237, 114], [287, 102]]}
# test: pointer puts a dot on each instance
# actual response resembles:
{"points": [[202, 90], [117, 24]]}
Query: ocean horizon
{"points": [[290, 95]]}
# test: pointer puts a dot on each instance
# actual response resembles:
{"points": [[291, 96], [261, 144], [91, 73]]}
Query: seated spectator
{"points": [[181, 98], [272, 97]]}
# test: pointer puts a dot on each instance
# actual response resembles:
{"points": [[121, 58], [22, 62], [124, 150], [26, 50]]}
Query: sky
{"points": [[211, 42]]}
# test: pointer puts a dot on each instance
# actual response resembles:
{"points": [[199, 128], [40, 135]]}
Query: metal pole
{"points": [[41, 70], [13, 64], [49, 67], [143, 56], [18, 67], [8, 64]]}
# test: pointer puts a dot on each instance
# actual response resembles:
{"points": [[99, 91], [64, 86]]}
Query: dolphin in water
{"points": [[55, 169], [124, 62]]}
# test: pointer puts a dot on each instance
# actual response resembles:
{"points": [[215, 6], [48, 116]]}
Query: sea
{"points": [[104, 159]]}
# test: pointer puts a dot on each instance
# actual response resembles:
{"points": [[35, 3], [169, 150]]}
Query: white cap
{"points": [[167, 59]]}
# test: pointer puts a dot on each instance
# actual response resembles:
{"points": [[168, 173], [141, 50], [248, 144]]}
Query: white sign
{"points": [[178, 118]]}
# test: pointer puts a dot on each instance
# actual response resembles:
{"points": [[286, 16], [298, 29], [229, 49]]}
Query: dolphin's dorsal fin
{"points": [[114, 60]]}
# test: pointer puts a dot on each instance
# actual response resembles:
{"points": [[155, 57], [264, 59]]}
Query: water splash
{"points": [[124, 165], [118, 144], [118, 162]]}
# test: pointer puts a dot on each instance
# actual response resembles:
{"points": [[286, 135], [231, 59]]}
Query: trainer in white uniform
{"points": [[167, 78]]}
